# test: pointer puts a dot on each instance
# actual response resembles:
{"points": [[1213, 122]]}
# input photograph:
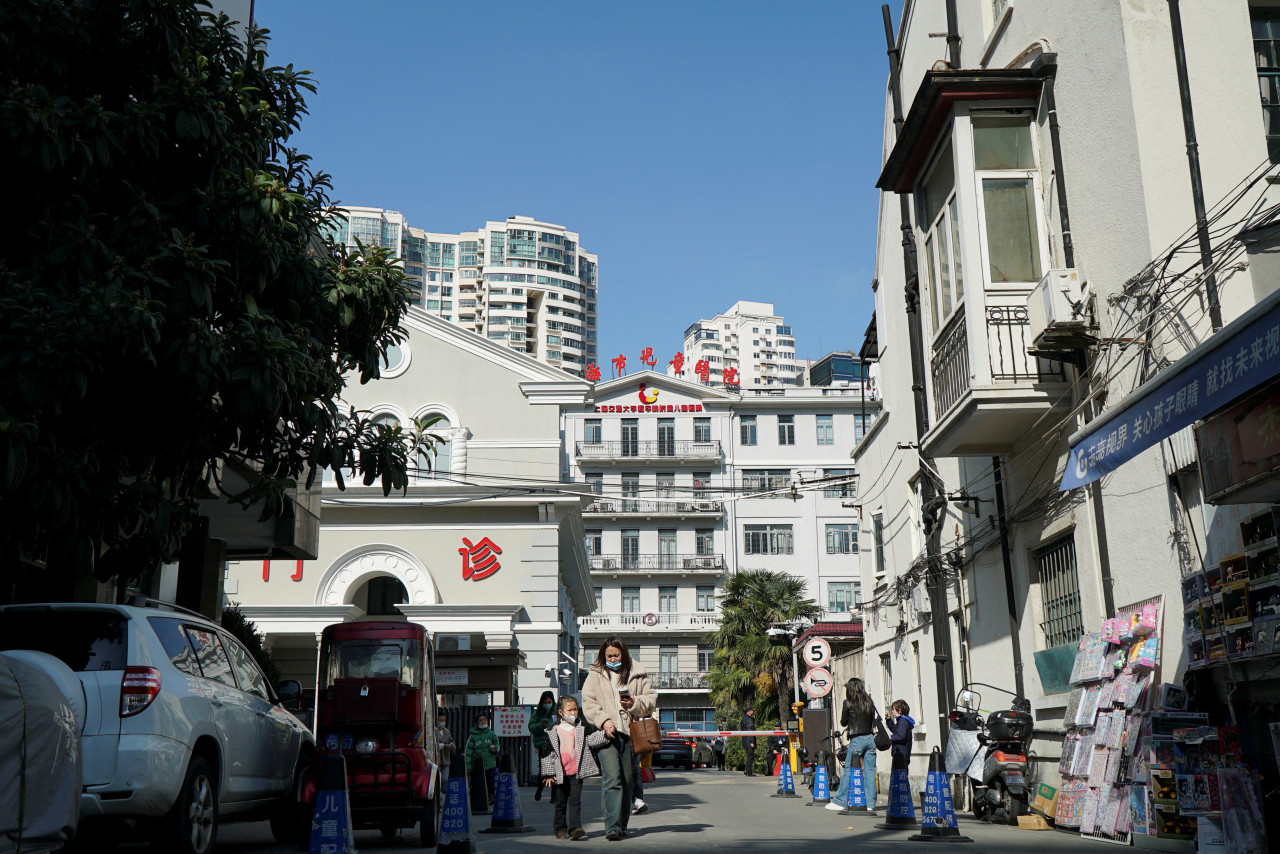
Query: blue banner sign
{"points": [[1232, 362]]}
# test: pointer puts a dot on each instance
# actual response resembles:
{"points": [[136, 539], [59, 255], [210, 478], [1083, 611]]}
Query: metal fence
{"points": [[1059, 591], [460, 719]]}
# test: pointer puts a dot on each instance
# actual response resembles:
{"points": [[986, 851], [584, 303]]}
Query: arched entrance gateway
{"points": [[350, 575]]}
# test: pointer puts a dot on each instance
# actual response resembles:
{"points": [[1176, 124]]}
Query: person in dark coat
{"points": [[900, 725], [748, 722]]}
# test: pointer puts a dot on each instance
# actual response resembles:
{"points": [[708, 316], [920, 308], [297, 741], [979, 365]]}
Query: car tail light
{"points": [[138, 688]]}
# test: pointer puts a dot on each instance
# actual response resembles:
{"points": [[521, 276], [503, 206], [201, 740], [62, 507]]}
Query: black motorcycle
{"points": [[1004, 738]]}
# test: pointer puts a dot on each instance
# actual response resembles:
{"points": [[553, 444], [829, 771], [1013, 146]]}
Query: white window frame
{"points": [[965, 127]]}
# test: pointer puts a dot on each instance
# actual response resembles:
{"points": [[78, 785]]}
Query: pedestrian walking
{"points": [[444, 741], [616, 691], [858, 717], [748, 722], [900, 726], [540, 720], [568, 761], [718, 747], [482, 744]]}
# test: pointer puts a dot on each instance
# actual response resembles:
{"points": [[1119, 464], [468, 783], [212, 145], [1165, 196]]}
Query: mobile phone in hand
{"points": [[623, 692]]}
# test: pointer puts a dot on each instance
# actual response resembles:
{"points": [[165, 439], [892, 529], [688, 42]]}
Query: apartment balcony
{"points": [[661, 451], [660, 564], [679, 680], [988, 393], [617, 509], [650, 623]]}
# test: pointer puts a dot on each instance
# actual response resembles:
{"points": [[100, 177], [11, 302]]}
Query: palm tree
{"points": [[747, 668]]}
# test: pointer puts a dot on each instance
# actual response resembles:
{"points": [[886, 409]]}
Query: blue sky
{"points": [[707, 152]]}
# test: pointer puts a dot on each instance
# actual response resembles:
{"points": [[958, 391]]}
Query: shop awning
{"points": [[1233, 362]]}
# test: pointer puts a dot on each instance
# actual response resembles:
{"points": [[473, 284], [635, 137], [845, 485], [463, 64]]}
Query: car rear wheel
{"points": [[428, 826], [192, 825]]}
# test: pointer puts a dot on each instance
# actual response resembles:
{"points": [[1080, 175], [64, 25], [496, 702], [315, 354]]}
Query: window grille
{"points": [[1059, 591]]}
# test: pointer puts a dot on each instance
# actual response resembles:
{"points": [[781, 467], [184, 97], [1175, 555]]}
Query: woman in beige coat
{"points": [[616, 691]]}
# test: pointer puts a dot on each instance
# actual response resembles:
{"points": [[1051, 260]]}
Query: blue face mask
{"points": [[613, 665]]}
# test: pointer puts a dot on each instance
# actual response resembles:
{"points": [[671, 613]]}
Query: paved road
{"points": [[700, 812]]}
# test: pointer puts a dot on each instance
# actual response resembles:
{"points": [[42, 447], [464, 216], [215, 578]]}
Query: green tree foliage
{"points": [[168, 299], [747, 670], [244, 630]]}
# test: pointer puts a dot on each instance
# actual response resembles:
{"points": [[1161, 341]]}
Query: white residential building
{"points": [[693, 482], [991, 180], [526, 284], [750, 339]]}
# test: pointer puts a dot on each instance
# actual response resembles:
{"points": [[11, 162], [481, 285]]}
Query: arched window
{"points": [[438, 465]]}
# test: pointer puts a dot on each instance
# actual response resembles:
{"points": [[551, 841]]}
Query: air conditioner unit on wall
{"points": [[453, 643], [1058, 318]]}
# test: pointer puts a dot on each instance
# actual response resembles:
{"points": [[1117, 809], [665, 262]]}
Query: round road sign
{"points": [[816, 652], [651, 619], [818, 682]]}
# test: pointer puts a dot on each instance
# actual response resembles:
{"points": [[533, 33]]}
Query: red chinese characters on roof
{"points": [[647, 357], [678, 363], [593, 372], [703, 370], [619, 365], [731, 376]]}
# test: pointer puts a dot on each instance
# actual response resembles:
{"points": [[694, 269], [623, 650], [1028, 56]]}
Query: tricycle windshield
{"points": [[371, 659]]}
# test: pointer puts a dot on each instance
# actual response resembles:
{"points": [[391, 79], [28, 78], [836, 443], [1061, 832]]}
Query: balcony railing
{"points": [[659, 449], [645, 507], [950, 366], [1008, 336], [658, 563], [679, 680], [635, 621]]}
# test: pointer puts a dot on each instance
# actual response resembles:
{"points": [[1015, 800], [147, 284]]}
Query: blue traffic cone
{"points": [[331, 824], [821, 786], [508, 817], [456, 836], [857, 796], [786, 783], [938, 811], [901, 814]]}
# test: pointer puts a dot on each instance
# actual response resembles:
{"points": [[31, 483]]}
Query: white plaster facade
{"points": [[679, 503], [1124, 167], [503, 427]]}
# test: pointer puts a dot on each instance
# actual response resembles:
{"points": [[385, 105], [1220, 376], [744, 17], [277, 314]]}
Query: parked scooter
{"points": [[1003, 739]]}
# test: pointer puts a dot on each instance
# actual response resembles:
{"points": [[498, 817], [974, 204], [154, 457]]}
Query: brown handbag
{"points": [[645, 736]]}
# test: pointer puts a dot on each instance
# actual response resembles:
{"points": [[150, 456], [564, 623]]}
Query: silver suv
{"points": [[181, 728]]}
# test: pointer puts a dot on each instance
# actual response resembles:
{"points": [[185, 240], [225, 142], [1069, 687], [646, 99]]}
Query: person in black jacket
{"points": [[858, 717], [900, 726], [748, 722]]}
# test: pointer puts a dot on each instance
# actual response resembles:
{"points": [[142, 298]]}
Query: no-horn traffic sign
{"points": [[818, 682]]}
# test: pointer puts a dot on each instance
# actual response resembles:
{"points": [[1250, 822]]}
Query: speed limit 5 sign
{"points": [[816, 652]]}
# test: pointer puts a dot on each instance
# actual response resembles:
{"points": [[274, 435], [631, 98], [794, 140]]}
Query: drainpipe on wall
{"points": [[1193, 161], [1006, 555], [953, 35], [930, 500]]}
